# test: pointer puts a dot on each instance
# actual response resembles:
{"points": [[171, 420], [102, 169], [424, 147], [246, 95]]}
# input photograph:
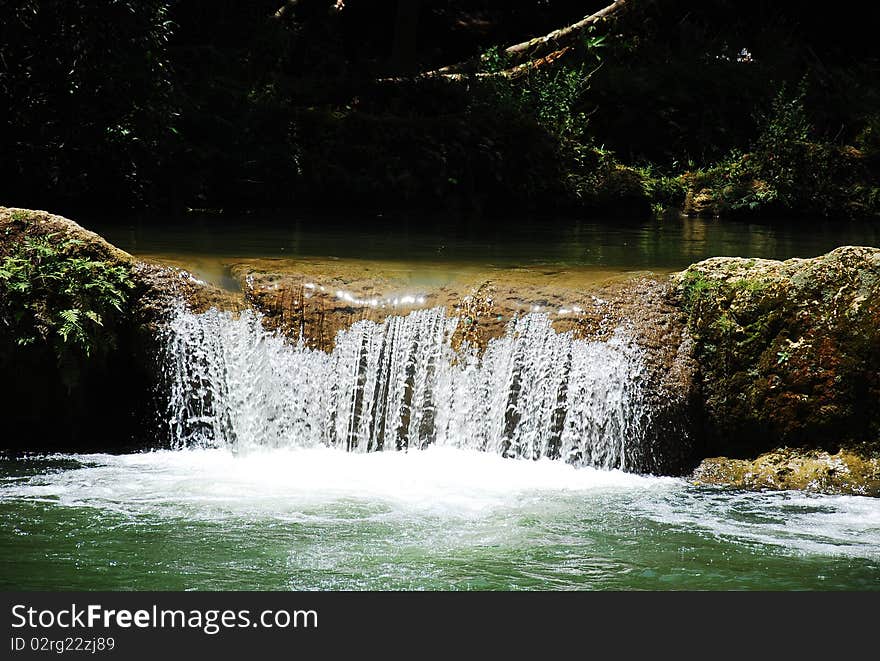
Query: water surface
{"points": [[429, 519], [431, 250]]}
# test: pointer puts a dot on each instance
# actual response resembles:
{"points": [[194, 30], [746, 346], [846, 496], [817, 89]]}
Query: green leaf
{"points": [[94, 316]]}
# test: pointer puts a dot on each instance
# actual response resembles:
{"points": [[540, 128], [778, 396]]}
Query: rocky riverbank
{"points": [[851, 471], [789, 370], [789, 352]]}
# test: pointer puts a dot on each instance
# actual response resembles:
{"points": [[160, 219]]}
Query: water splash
{"points": [[533, 393]]}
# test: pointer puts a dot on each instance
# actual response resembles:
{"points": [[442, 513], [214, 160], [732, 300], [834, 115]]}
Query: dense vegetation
{"points": [[61, 304], [720, 106]]}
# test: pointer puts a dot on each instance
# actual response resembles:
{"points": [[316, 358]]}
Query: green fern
{"points": [[51, 295], [70, 324]]}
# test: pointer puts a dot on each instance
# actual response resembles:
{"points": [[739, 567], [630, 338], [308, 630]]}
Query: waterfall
{"points": [[399, 384]]}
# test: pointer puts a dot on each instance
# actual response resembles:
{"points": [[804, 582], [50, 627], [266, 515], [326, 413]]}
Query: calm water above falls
{"points": [[430, 249], [631, 244], [250, 504]]}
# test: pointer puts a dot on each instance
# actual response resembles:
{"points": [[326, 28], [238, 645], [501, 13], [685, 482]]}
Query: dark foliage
{"points": [[113, 103], [87, 111]]}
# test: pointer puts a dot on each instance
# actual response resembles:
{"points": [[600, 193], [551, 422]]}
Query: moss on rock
{"points": [[848, 471], [61, 388], [789, 352]]}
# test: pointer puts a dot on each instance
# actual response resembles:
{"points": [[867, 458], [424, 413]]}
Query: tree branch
{"points": [[528, 54], [285, 9]]}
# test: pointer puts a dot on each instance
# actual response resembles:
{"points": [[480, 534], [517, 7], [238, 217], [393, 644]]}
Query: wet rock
{"points": [[788, 352], [848, 471], [700, 203]]}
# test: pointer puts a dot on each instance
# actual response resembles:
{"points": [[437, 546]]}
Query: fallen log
{"points": [[529, 54]]}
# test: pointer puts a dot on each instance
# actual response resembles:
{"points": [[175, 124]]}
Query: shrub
{"points": [[789, 171]]}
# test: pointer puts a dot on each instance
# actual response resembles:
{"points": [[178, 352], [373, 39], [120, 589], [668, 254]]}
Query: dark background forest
{"points": [[716, 106]]}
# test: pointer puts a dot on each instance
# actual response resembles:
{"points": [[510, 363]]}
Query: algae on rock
{"points": [[849, 471], [789, 352]]}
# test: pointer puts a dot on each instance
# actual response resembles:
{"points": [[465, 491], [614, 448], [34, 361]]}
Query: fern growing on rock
{"points": [[49, 293]]}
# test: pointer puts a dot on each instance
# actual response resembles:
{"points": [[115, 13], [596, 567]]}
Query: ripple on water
{"points": [[438, 518]]}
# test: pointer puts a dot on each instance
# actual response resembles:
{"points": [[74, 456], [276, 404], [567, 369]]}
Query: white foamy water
{"points": [[450, 497], [810, 524], [216, 482], [399, 384]]}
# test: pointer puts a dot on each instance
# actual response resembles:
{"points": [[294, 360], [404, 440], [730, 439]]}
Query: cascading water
{"points": [[533, 393]]}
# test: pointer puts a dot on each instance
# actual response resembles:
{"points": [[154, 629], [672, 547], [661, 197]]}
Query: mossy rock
{"points": [[55, 395], [789, 352], [849, 471]]}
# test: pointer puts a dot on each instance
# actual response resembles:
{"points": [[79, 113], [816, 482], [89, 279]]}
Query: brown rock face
{"points": [[700, 203], [789, 352], [315, 300]]}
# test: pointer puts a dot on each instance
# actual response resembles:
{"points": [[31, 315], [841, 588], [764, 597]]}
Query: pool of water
{"points": [[432, 519]]}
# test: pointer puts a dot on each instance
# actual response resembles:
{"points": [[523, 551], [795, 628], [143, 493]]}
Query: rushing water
{"points": [[400, 384]]}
